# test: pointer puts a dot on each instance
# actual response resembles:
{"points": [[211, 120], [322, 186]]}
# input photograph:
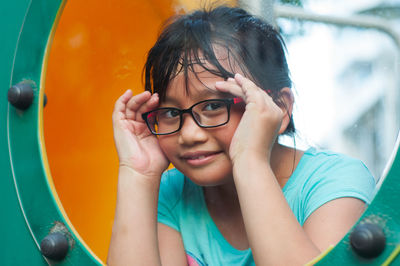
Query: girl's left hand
{"points": [[260, 123]]}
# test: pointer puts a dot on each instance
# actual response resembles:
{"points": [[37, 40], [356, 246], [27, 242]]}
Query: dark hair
{"points": [[254, 45]]}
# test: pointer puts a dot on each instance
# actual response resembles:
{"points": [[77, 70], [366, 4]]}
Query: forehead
{"points": [[198, 86], [200, 81]]}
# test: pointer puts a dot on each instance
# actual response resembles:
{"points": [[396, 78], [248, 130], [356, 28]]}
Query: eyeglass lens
{"points": [[209, 113]]}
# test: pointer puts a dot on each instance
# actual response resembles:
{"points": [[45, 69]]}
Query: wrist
{"points": [[249, 165], [128, 175], [248, 157]]}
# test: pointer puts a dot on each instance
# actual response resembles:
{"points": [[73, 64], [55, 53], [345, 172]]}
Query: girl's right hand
{"points": [[137, 148]]}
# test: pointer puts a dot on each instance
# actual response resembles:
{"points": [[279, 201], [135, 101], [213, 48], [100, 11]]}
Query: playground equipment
{"points": [[58, 167]]}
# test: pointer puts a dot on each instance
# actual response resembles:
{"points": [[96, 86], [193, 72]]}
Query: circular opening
{"points": [[97, 53]]}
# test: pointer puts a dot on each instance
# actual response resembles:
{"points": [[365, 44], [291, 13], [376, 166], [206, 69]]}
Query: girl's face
{"points": [[202, 154]]}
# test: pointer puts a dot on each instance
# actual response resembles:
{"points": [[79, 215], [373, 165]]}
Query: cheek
{"points": [[236, 116], [227, 133], [167, 145]]}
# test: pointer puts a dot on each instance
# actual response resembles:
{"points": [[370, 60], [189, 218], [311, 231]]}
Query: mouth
{"points": [[199, 158]]}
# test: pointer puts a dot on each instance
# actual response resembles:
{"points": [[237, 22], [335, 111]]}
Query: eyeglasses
{"points": [[206, 114]]}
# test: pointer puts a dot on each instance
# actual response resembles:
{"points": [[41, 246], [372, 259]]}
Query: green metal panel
{"points": [[17, 245], [30, 211]]}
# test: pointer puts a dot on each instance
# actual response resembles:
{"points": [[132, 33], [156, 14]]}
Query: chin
{"points": [[208, 177]]}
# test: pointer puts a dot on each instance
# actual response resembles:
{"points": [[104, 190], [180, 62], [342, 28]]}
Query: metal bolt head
{"points": [[21, 95], [54, 246], [368, 240]]}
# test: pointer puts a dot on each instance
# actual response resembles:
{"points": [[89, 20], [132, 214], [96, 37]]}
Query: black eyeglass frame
{"points": [[229, 102]]}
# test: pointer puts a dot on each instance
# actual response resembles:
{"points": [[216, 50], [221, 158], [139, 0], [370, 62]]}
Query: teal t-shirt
{"points": [[320, 176]]}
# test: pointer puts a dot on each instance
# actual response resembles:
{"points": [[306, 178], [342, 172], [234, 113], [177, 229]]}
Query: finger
{"points": [[134, 104], [151, 104], [230, 86], [250, 88], [136, 101], [120, 104], [240, 79], [255, 96], [140, 103], [122, 100], [245, 83]]}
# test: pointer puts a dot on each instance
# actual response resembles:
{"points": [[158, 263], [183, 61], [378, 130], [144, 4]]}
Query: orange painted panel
{"points": [[98, 52]]}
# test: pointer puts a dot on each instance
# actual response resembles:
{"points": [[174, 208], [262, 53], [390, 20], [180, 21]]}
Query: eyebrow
{"points": [[213, 92], [204, 94]]}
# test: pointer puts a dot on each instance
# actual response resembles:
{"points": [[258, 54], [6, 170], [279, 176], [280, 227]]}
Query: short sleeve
{"points": [[338, 176], [170, 194]]}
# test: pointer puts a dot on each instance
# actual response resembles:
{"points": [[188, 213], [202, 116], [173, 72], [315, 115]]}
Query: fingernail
{"points": [[217, 83]]}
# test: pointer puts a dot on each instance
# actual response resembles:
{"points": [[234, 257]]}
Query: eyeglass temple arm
{"points": [[237, 100]]}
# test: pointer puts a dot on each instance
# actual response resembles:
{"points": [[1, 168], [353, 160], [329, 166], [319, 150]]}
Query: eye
{"points": [[213, 106], [169, 113]]}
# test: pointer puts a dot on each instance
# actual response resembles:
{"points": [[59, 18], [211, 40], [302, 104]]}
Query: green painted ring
{"points": [[33, 186]]}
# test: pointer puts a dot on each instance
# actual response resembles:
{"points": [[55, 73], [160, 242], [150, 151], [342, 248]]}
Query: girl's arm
{"points": [[275, 236], [172, 251], [328, 224], [134, 236], [134, 239], [137, 238]]}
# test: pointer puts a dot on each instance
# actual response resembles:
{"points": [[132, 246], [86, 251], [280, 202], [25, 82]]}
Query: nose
{"points": [[190, 132]]}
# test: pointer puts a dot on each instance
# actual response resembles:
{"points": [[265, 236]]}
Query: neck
{"points": [[225, 194], [283, 162]]}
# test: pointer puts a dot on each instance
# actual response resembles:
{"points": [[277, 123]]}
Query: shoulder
{"points": [[322, 176], [178, 197], [175, 187], [326, 158], [172, 176], [326, 175], [171, 186], [325, 165]]}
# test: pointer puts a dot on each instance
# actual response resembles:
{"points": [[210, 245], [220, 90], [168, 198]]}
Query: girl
{"points": [[217, 98]]}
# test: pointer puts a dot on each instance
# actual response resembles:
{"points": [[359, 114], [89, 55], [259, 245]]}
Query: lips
{"points": [[199, 158]]}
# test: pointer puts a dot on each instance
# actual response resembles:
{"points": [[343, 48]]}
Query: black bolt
{"points": [[21, 95], [54, 246], [368, 240], [44, 100]]}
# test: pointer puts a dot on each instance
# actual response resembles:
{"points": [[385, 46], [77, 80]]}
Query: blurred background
{"points": [[344, 61]]}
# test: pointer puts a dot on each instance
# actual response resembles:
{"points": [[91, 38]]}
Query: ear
{"points": [[286, 101]]}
